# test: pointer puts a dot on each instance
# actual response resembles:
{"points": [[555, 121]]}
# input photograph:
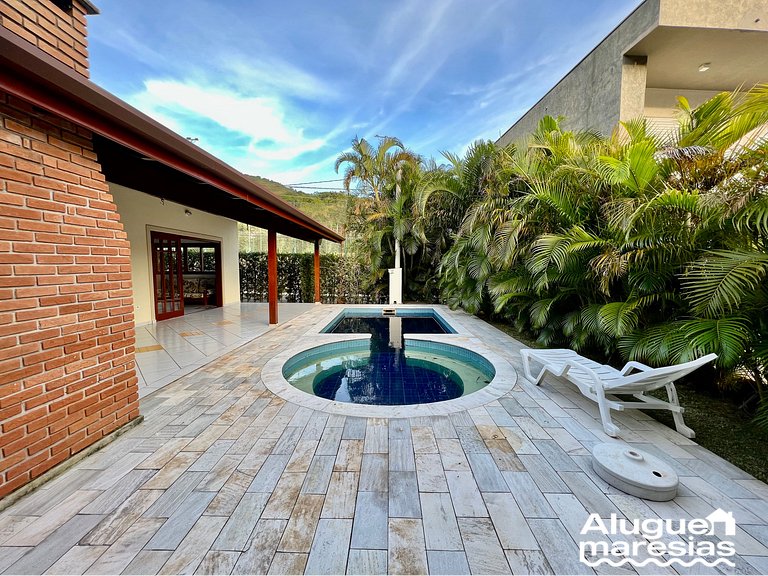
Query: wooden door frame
{"points": [[179, 276], [215, 242], [219, 275]]}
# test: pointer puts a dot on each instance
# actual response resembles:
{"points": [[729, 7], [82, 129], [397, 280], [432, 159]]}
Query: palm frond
{"points": [[636, 169], [754, 215], [718, 283], [659, 345], [726, 337], [618, 318]]}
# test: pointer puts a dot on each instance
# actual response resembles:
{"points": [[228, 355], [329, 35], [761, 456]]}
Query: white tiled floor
{"points": [[191, 341]]}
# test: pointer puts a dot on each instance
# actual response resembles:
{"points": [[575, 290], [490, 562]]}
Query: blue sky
{"points": [[279, 89]]}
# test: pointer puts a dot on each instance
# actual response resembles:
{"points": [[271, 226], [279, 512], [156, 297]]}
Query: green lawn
{"points": [[723, 428]]}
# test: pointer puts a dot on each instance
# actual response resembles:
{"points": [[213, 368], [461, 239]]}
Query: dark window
{"points": [[193, 261], [199, 259], [209, 259]]}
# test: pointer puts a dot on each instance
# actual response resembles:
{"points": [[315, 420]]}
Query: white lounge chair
{"points": [[596, 380]]}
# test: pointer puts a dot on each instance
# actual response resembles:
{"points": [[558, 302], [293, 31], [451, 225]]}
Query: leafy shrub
{"points": [[340, 279]]}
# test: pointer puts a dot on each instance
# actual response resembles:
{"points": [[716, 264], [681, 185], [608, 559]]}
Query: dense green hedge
{"points": [[340, 279]]}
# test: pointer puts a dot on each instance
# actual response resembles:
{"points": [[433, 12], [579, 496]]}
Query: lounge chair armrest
{"points": [[596, 381], [629, 366]]}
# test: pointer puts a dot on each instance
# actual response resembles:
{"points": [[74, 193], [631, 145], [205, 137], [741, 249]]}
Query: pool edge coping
{"points": [[502, 383]]}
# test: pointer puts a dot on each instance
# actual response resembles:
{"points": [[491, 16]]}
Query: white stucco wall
{"points": [[661, 110], [141, 213]]}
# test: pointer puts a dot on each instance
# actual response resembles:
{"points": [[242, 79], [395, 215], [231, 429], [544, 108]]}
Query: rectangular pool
{"points": [[372, 321]]}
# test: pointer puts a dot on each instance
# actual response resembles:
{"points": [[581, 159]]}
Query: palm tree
{"points": [[384, 216], [716, 219], [531, 193], [445, 192], [374, 169], [633, 245]]}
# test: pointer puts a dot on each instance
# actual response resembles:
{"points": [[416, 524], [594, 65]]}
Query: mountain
{"points": [[327, 208]]}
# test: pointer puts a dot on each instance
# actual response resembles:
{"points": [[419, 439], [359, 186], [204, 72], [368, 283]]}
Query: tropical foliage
{"points": [[374, 170], [633, 246], [424, 217], [384, 177]]}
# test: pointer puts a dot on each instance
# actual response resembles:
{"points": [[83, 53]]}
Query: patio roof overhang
{"points": [[675, 54], [139, 152]]}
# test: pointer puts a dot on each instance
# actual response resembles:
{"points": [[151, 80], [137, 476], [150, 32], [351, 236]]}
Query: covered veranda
{"points": [[138, 152]]}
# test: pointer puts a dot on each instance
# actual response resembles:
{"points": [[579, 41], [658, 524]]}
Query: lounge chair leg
{"points": [[526, 358], [678, 416], [605, 414]]}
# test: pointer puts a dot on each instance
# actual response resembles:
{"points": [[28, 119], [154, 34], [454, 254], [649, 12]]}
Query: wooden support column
{"points": [[272, 274], [317, 271]]}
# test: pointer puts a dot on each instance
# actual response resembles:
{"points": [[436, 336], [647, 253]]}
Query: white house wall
{"points": [[141, 213], [661, 111]]}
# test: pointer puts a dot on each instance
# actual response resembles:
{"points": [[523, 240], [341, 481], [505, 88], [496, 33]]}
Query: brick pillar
{"points": [[67, 369]]}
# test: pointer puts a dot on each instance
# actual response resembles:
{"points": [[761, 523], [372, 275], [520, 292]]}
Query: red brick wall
{"points": [[62, 35], [67, 369]]}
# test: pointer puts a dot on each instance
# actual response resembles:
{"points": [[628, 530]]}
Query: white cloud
{"points": [[271, 75], [271, 134], [123, 40], [416, 52], [280, 90]]}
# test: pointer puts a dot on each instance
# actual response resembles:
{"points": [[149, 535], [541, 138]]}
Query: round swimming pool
{"points": [[377, 373]]}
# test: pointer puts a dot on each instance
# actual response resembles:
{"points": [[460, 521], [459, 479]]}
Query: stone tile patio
{"points": [[225, 477]]}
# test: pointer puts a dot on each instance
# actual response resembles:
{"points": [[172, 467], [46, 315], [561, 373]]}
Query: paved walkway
{"points": [[167, 350], [224, 477]]}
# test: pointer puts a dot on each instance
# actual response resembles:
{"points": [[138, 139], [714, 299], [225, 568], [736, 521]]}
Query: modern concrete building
{"points": [[107, 218], [662, 50]]}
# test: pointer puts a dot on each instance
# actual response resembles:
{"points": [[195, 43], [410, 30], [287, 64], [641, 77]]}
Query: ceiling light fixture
{"points": [[704, 67]]}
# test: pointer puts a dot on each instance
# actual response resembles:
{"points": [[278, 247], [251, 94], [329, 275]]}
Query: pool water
{"points": [[380, 326], [388, 370], [371, 321], [380, 380]]}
